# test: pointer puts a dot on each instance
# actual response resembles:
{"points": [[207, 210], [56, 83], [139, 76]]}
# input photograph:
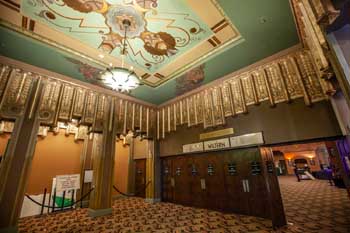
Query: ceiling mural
{"points": [[222, 52], [89, 72], [190, 80], [161, 34]]}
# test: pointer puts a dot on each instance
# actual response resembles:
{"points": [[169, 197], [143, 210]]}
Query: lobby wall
{"points": [[60, 155], [54, 155], [121, 167], [286, 122], [3, 142]]}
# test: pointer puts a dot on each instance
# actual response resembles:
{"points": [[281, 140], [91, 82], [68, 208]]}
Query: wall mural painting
{"points": [[160, 31], [190, 80], [89, 72]]}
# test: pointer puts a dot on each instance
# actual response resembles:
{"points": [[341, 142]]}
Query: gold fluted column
{"points": [[86, 164], [152, 173], [131, 168], [16, 165], [103, 153]]}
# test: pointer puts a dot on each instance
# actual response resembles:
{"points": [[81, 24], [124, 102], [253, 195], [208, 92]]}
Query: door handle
{"points": [[172, 182], [244, 187], [247, 186], [203, 186]]}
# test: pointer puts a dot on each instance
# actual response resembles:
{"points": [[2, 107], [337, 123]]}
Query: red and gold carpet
{"points": [[312, 206]]}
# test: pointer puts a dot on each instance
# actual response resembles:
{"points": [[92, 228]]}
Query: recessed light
{"points": [[101, 55]]}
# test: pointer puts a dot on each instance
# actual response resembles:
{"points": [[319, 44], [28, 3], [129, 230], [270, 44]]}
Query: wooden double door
{"points": [[230, 181]]}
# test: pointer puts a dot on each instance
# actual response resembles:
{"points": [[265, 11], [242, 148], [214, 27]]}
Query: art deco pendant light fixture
{"points": [[120, 78]]}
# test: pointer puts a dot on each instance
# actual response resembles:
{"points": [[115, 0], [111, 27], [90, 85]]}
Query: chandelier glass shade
{"points": [[119, 78]]}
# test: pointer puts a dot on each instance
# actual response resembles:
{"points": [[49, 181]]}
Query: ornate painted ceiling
{"points": [[165, 37], [174, 46]]}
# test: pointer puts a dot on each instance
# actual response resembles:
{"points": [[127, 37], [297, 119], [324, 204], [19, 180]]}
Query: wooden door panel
{"points": [[167, 176], [197, 172], [233, 185], [214, 176], [140, 177], [215, 181], [181, 183], [257, 187]]}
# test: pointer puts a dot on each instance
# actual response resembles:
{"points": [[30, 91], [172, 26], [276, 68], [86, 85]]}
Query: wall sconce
{"points": [[312, 161], [290, 162]]}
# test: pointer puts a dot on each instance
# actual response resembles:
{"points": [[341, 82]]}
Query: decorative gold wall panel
{"points": [[16, 93], [65, 112], [184, 113], [90, 108], [282, 80], [50, 102], [4, 76], [276, 82], [79, 101], [259, 79], [100, 114], [120, 108], [218, 113], [65, 102], [227, 103], [287, 78], [208, 117], [248, 90], [199, 105]]}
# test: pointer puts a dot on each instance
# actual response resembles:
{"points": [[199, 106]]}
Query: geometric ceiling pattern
{"points": [[165, 38], [258, 29]]}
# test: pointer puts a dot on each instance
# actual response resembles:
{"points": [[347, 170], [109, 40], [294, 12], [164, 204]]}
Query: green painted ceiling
{"points": [[266, 26]]}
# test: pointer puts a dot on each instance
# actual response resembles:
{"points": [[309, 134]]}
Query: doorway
{"points": [[319, 202]]}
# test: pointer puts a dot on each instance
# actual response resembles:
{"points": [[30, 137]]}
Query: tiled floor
{"points": [[312, 206]]}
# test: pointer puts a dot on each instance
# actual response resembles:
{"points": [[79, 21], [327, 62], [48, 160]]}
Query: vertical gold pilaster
{"points": [[150, 172], [103, 165], [15, 168], [268, 87], [284, 82], [307, 98]]}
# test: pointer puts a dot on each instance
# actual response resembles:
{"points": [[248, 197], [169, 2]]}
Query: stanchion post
{"points": [[72, 202], [82, 195], [54, 199], [48, 208], [43, 203], [63, 197]]}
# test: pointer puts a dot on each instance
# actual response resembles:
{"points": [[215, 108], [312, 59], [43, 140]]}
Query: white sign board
{"points": [[88, 176], [217, 144], [67, 182], [247, 140], [194, 147]]}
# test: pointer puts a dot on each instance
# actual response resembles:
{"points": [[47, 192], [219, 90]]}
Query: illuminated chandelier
{"points": [[120, 78]]}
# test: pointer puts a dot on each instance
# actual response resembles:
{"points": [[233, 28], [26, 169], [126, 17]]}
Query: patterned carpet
{"points": [[134, 215], [315, 206]]}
